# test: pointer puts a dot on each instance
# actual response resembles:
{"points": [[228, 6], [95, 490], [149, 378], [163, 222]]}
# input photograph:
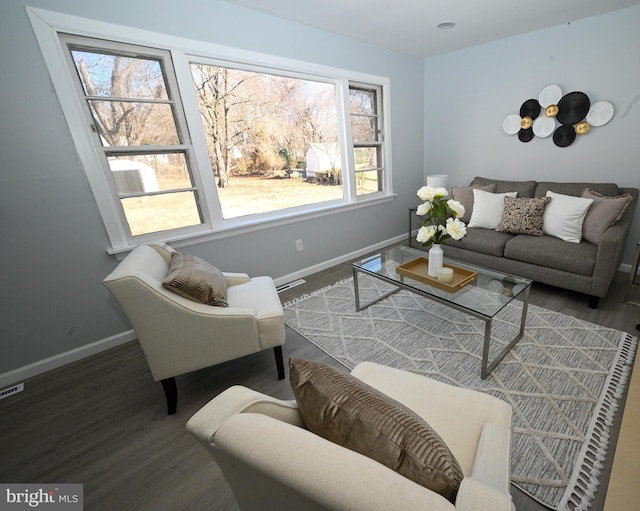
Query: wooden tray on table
{"points": [[418, 269]]}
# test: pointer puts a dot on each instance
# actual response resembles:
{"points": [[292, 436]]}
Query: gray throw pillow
{"points": [[603, 213], [523, 215], [348, 412], [197, 280]]}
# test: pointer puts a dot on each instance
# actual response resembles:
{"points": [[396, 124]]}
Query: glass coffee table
{"points": [[484, 297]]}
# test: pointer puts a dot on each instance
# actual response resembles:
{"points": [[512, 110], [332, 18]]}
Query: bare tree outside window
{"points": [[133, 116], [259, 128]]}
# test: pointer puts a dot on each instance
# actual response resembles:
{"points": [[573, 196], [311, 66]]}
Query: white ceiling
{"points": [[409, 26]]}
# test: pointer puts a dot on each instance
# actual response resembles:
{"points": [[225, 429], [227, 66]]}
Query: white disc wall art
{"points": [[600, 113], [550, 95], [511, 124], [543, 126]]}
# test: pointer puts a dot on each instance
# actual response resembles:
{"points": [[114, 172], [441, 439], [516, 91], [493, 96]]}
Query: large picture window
{"points": [[272, 139], [181, 138]]}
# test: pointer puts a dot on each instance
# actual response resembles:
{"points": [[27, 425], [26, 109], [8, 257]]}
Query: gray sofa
{"points": [[583, 267]]}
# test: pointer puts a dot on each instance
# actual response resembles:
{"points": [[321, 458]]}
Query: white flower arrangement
{"points": [[441, 217]]}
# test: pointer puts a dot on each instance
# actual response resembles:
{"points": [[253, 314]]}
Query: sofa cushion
{"points": [[523, 215], [487, 208], [550, 252], [484, 241], [464, 195], [574, 189], [564, 216], [524, 188], [350, 413], [603, 213], [196, 279]]}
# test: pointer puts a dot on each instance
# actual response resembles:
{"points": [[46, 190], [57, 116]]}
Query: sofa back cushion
{"points": [[524, 188], [609, 189]]}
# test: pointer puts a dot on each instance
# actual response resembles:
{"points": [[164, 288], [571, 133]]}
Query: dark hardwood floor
{"points": [[102, 421]]}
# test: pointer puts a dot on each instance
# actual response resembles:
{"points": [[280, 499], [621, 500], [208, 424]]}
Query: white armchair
{"points": [[272, 463], [178, 335]]}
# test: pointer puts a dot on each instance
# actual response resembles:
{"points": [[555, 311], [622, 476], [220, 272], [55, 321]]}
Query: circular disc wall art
{"points": [[573, 112], [600, 113], [564, 136], [543, 126], [550, 95], [511, 124], [573, 108], [530, 108]]}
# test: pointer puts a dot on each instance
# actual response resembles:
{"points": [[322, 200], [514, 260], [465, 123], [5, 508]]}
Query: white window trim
{"points": [[47, 25]]}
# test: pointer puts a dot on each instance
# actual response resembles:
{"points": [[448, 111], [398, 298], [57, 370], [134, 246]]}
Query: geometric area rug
{"points": [[564, 379]]}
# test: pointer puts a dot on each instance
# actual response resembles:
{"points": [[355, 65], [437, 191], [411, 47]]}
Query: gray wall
{"points": [[446, 117], [470, 92], [53, 255]]}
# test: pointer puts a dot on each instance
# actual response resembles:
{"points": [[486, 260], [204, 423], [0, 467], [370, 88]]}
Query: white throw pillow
{"points": [[488, 208], [564, 216]]}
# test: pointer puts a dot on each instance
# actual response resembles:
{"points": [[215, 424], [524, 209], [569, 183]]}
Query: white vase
{"points": [[435, 260]]}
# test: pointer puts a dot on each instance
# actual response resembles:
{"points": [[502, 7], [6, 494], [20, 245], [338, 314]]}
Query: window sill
{"points": [[245, 225]]}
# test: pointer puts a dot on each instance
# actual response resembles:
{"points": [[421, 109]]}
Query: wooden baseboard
{"points": [[62, 359]]}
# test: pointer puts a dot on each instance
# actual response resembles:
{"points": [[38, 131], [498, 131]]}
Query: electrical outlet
{"points": [[299, 246]]}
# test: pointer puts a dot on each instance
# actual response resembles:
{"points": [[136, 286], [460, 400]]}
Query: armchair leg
{"points": [[171, 393], [593, 302], [279, 361]]}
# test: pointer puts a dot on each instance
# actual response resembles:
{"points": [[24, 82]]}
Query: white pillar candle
{"points": [[445, 275]]}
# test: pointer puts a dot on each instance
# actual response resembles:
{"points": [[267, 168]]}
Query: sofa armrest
{"points": [[608, 258], [474, 495]]}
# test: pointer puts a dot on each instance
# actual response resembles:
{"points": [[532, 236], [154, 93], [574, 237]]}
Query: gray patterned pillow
{"points": [[197, 280], [523, 215], [348, 412]]}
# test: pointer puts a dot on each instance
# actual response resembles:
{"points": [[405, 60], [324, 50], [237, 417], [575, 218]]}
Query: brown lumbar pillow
{"points": [[197, 280], [523, 215], [346, 411], [603, 213]]}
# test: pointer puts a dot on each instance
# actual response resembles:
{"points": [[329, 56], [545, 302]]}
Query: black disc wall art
{"points": [[573, 108], [564, 135], [525, 135], [530, 108]]}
